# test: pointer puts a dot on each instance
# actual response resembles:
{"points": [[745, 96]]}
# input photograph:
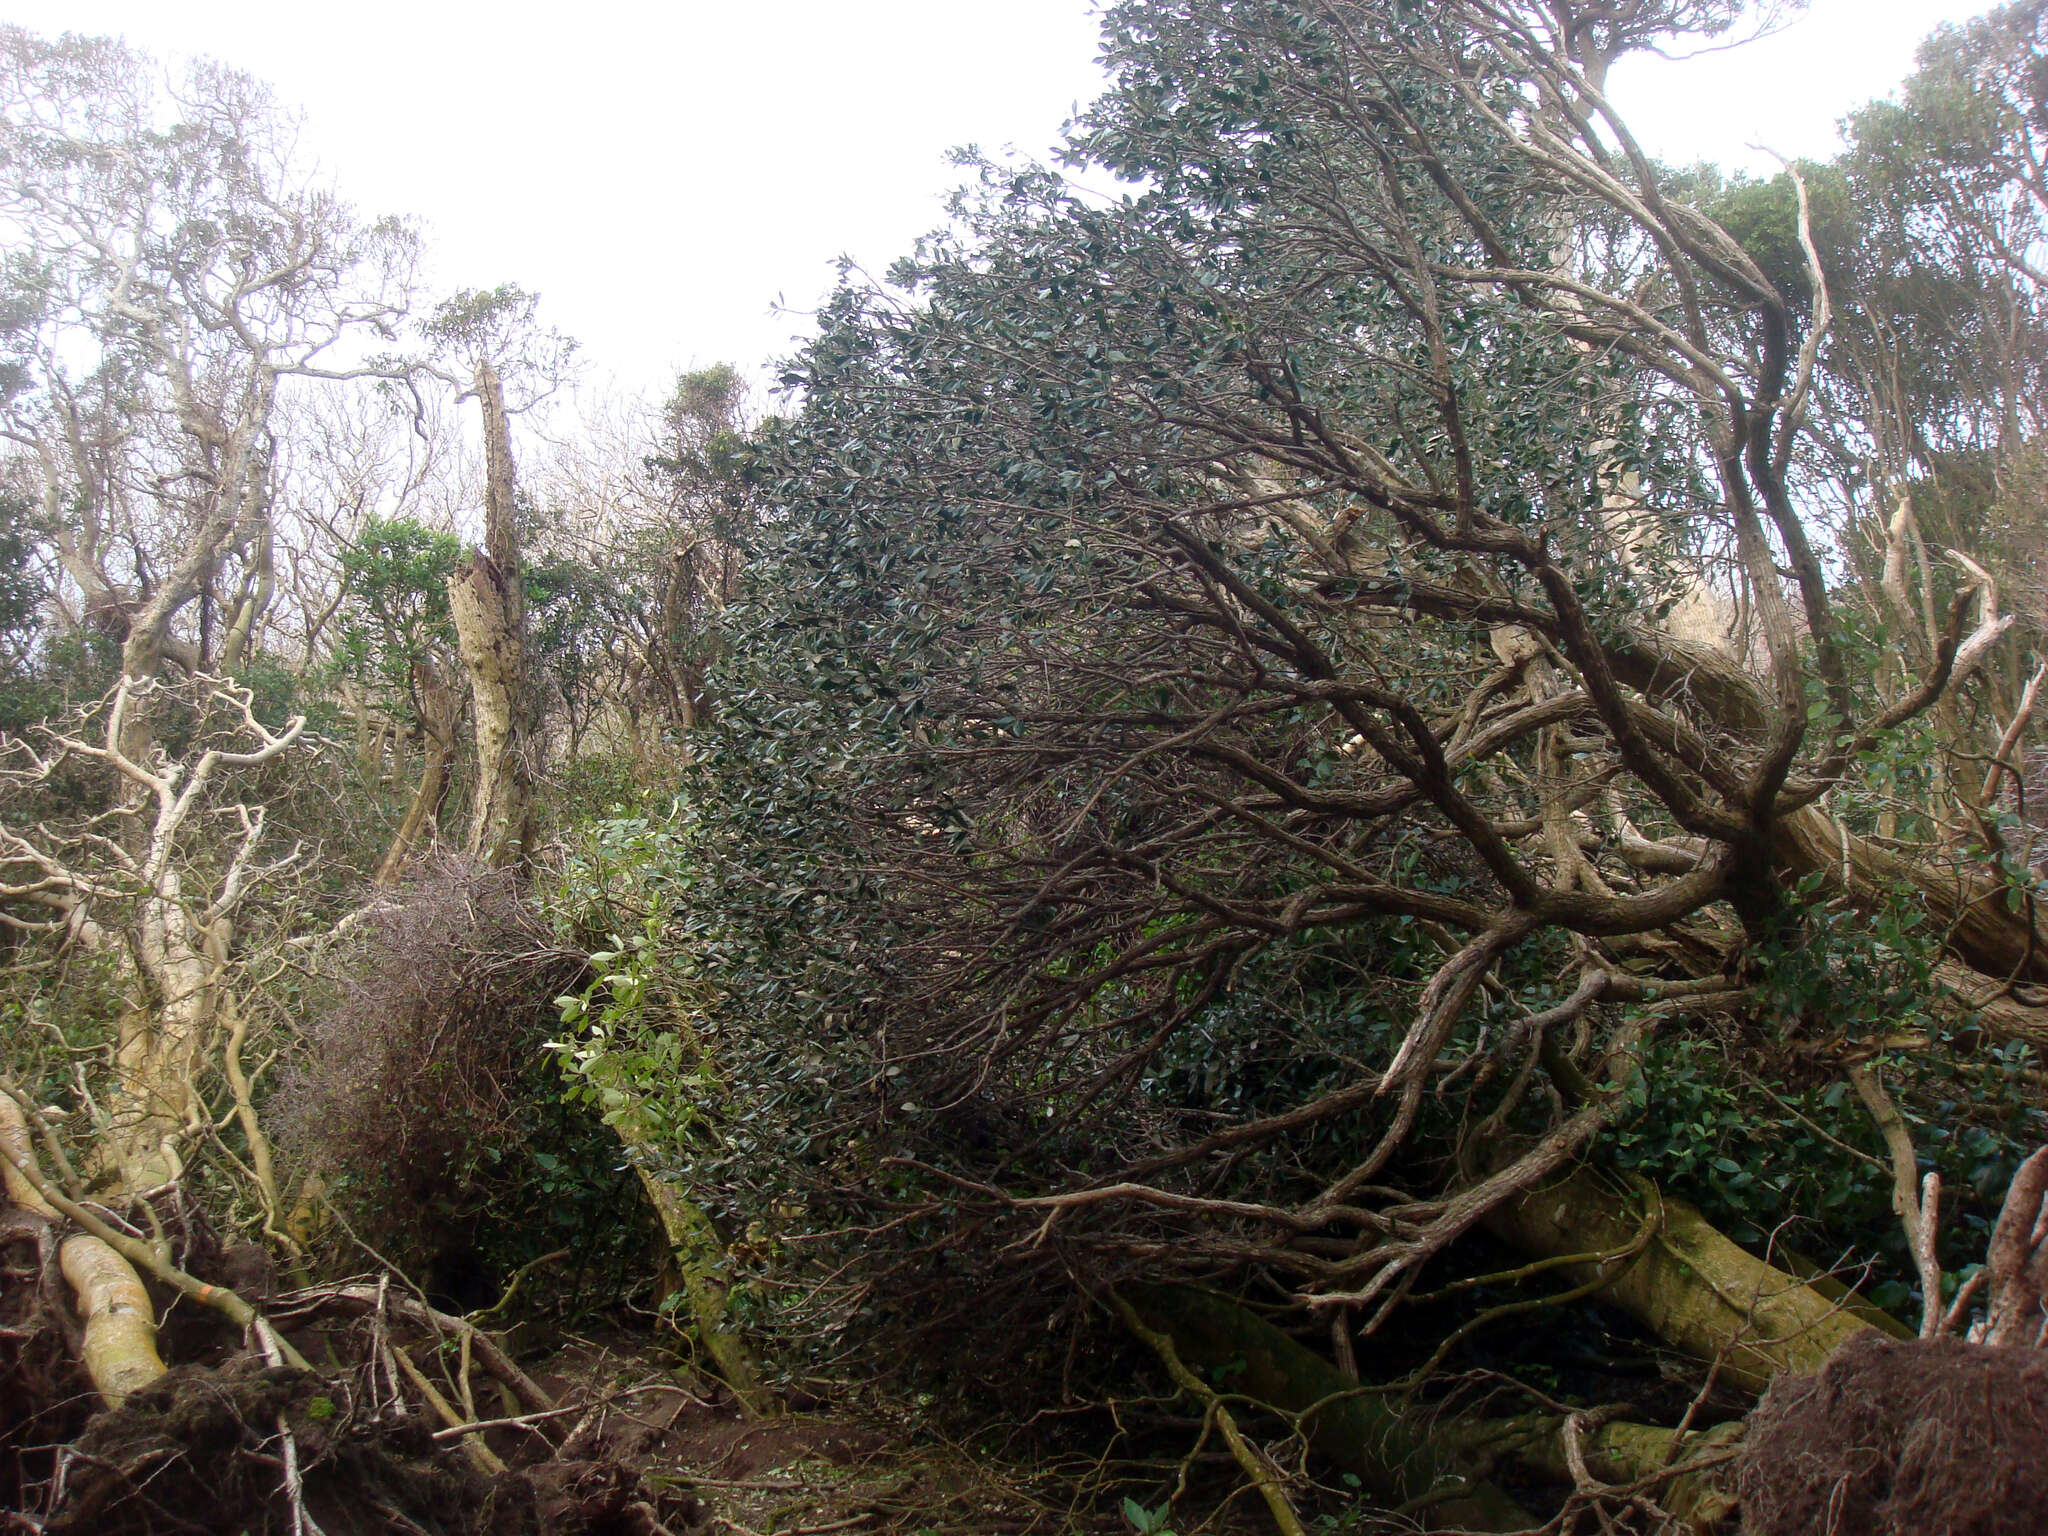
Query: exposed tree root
{"points": [[202, 1450], [1899, 1438]]}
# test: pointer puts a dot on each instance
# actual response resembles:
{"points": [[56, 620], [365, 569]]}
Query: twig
{"points": [[1254, 1465], [303, 1523], [486, 1459], [512, 1287], [1919, 1212], [521, 1421]]}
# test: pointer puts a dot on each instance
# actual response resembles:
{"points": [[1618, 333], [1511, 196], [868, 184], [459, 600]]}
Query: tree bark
{"points": [[487, 603], [119, 1351], [1690, 1286], [1969, 906], [437, 720], [1613, 1452]]}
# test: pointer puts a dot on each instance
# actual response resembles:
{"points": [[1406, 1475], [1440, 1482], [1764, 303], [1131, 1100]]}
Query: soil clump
{"points": [[1921, 1438]]}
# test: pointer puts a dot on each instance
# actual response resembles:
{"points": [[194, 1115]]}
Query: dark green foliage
{"points": [[1068, 535], [396, 611], [22, 586], [956, 678]]}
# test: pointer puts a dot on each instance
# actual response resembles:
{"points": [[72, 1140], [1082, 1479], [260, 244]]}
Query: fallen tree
{"points": [[1285, 721], [1427, 1460]]}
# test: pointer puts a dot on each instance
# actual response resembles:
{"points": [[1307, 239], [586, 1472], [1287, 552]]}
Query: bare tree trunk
{"points": [[488, 605], [119, 1351], [437, 716]]}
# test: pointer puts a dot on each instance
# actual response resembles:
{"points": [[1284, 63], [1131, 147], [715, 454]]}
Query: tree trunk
{"points": [[1402, 1455], [1690, 1286], [488, 606], [157, 1053], [1969, 907], [437, 720], [1613, 1452], [699, 1259], [252, 602], [119, 1349]]}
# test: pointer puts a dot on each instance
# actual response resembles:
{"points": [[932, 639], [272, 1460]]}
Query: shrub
{"points": [[426, 1104]]}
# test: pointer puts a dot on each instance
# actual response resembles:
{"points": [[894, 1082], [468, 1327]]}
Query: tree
{"points": [[174, 275], [1212, 786], [397, 629], [493, 331], [708, 516], [186, 272], [180, 274]]}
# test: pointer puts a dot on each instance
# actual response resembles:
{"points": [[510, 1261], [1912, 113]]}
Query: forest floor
{"points": [[609, 1435], [415, 1423], [841, 1459]]}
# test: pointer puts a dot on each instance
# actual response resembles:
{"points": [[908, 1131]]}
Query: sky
{"points": [[677, 178]]}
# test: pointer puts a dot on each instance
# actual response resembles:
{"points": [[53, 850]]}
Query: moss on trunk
{"points": [[1396, 1454], [1691, 1286]]}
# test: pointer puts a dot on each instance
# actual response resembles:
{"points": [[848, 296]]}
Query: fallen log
{"points": [[1691, 1286], [119, 1350], [1393, 1452]]}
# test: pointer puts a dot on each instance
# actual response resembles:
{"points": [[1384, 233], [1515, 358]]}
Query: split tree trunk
{"points": [[487, 602]]}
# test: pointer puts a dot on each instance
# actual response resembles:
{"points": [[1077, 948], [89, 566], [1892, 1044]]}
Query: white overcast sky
{"points": [[663, 173]]}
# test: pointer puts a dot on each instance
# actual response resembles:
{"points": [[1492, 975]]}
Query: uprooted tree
{"points": [[187, 277], [185, 304], [1360, 825], [1294, 718]]}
